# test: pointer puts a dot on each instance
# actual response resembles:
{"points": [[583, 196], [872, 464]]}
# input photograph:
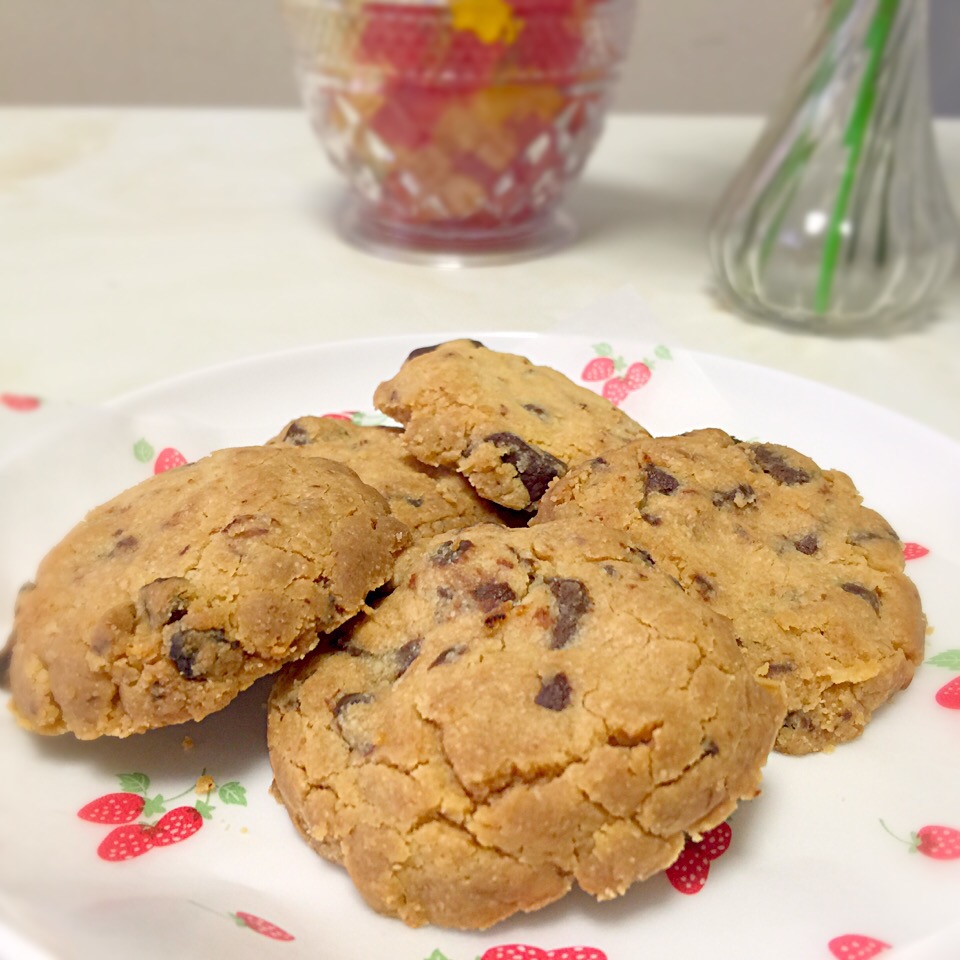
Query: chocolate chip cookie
{"points": [[529, 709], [170, 599], [427, 499], [508, 426], [811, 578]]}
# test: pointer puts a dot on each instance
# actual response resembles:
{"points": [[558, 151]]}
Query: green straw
{"points": [[854, 138]]}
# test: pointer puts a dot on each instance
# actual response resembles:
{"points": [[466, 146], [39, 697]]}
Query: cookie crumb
{"points": [[187, 743], [205, 785]]}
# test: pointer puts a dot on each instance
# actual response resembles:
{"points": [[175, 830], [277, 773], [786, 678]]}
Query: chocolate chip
{"points": [[573, 601], [740, 496], [535, 467], [651, 519], [643, 555], [772, 463], [447, 553], [865, 593], [125, 545], [296, 435], [414, 501], [490, 595], [798, 720], [536, 411], [554, 693], [445, 593], [450, 655], [353, 739], [709, 748], [198, 654], [778, 669], [420, 351], [659, 481], [407, 654], [163, 601], [807, 545], [705, 586], [348, 700]]}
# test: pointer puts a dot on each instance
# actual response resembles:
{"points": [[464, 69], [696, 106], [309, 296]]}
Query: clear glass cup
{"points": [[840, 219], [458, 124]]}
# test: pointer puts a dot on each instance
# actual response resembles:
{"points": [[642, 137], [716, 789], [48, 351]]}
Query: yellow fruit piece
{"points": [[490, 20]]}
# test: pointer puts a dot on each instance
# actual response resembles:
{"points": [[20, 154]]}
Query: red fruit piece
{"points": [[940, 843], [688, 873], [19, 402], [395, 37], [549, 44], [715, 842], [346, 415], [616, 390], [167, 459], [126, 842], [854, 946], [637, 375], [112, 808], [522, 951], [599, 368], [914, 551], [259, 925], [177, 825], [949, 694]]}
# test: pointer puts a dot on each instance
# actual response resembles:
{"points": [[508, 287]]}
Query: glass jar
{"points": [[458, 125], [840, 218]]}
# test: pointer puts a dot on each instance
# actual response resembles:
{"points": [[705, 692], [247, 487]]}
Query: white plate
{"points": [[809, 861]]}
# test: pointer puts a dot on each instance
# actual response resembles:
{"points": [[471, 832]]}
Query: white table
{"points": [[135, 245]]}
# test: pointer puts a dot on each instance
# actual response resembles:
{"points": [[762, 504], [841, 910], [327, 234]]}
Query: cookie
{"points": [[427, 499], [530, 709], [167, 601], [811, 578], [508, 426]]}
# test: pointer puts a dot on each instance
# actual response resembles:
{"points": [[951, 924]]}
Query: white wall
{"points": [[689, 55]]}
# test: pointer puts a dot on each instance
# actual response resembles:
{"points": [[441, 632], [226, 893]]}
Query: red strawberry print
{"points": [[616, 390], [949, 694], [933, 840], [19, 402], [914, 551], [126, 842], [167, 459], [259, 925], [113, 808], [940, 843], [688, 873], [177, 825], [855, 946], [715, 842], [599, 368], [637, 375], [521, 951]]}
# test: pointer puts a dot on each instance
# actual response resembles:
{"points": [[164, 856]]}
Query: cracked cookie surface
{"points": [[167, 601], [508, 426], [811, 578], [427, 499], [530, 709]]}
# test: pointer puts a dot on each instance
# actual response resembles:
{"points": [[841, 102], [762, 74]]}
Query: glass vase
{"points": [[840, 217]]}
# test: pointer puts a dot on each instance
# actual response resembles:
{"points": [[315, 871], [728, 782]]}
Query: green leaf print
{"points": [[143, 451], [949, 659], [232, 792], [603, 349], [663, 352], [154, 805], [134, 782]]}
